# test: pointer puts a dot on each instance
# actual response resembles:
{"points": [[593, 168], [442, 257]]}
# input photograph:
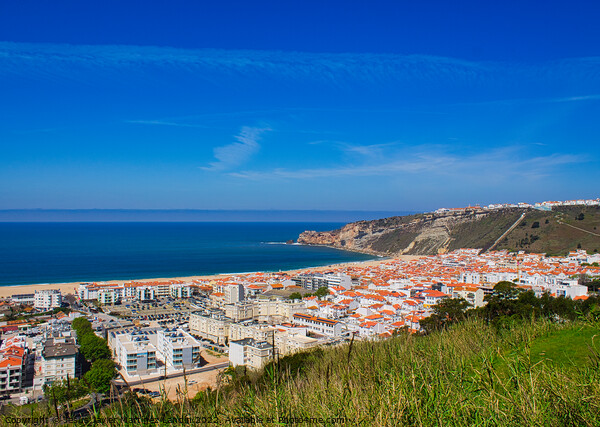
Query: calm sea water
{"points": [[71, 252]]}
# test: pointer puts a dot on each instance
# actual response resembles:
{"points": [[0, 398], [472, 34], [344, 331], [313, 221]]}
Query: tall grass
{"points": [[470, 374]]}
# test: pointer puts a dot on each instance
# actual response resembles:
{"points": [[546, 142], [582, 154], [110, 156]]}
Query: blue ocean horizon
{"points": [[58, 252]]}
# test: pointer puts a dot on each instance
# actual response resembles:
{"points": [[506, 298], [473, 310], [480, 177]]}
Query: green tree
{"points": [[322, 292], [102, 372], [93, 347], [82, 326], [446, 312], [65, 390], [295, 295]]}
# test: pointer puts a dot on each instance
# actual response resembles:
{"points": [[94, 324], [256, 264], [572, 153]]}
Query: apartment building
{"points": [[13, 363], [471, 294], [240, 311], [180, 290], [315, 281], [256, 331], [47, 299], [233, 293], [135, 350], [277, 310], [60, 359], [178, 349], [25, 299], [320, 325], [250, 353], [211, 325]]}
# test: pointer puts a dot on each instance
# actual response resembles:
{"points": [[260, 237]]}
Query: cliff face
{"points": [[423, 234], [556, 232]]}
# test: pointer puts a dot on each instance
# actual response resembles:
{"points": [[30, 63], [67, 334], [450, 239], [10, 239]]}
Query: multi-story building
{"points": [[256, 331], [233, 293], [47, 299], [277, 310], [109, 296], [320, 325], [210, 325], [25, 299], [135, 351], [249, 352], [178, 349], [60, 359], [180, 290], [473, 295], [240, 311], [146, 293], [315, 281], [14, 356]]}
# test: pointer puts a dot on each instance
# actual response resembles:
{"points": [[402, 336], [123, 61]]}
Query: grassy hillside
{"points": [[468, 375], [555, 233]]}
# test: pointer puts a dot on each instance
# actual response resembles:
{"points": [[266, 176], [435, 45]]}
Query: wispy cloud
{"points": [[233, 155], [165, 123], [51, 61], [498, 163]]}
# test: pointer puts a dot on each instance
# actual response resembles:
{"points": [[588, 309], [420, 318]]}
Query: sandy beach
{"points": [[71, 288]]}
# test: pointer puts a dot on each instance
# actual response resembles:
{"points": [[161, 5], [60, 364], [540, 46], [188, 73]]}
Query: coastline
{"points": [[71, 287]]}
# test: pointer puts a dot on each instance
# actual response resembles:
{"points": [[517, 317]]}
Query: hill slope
{"points": [[470, 374], [554, 232]]}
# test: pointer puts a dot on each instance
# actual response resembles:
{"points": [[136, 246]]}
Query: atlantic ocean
{"points": [[57, 252]]}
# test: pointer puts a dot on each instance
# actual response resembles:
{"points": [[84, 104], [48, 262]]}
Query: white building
{"points": [[250, 353], [135, 351], [180, 290], [178, 349], [146, 293], [25, 299], [47, 299], [59, 359], [320, 325], [233, 293]]}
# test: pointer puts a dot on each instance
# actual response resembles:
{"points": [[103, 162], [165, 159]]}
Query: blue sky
{"points": [[391, 106]]}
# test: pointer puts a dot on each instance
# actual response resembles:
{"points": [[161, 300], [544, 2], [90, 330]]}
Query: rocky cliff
{"points": [[428, 234]]}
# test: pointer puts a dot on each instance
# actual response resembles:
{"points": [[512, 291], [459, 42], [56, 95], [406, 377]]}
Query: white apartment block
{"points": [[146, 291], [26, 299], [178, 349], [320, 325], [180, 290], [109, 296], [47, 299], [250, 353], [211, 326], [59, 359], [135, 351], [233, 293]]}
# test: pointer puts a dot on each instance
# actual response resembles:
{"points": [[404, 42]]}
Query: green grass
{"points": [[468, 375], [471, 374], [574, 346]]}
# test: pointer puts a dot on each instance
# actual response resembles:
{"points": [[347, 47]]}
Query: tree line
{"points": [[508, 303]]}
